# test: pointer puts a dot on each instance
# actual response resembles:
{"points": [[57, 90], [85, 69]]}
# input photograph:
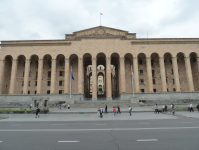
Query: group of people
{"points": [[100, 111], [60, 105], [190, 107], [164, 109]]}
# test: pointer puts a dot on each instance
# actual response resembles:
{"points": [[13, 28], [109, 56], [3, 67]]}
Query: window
{"points": [[165, 72], [140, 62], [48, 83], [29, 83], [171, 71], [153, 81], [60, 83], [60, 91], [28, 92], [35, 83], [22, 83], [61, 63], [142, 90], [174, 89], [167, 81], [35, 92], [61, 73], [152, 63], [48, 92], [153, 73], [194, 60], [167, 90], [49, 74], [23, 74], [154, 90], [141, 72], [173, 81], [141, 81], [30, 74], [21, 92], [170, 61], [36, 75]]}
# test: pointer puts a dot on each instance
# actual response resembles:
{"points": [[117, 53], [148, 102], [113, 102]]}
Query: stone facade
{"points": [[44, 66]]}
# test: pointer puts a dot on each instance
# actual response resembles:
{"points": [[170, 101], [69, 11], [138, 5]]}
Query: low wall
{"points": [[25, 100]]}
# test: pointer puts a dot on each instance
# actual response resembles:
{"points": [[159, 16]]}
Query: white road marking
{"points": [[108, 129], [68, 141], [57, 124], [187, 122], [147, 140], [143, 123], [16, 124], [100, 124]]}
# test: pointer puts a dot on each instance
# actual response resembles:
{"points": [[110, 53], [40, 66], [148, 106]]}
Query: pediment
{"points": [[100, 32]]}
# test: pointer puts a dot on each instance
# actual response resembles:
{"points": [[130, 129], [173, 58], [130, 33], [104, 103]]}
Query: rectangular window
{"points": [[61, 63], [35, 92], [140, 62], [49, 64], [23, 74], [48, 92], [165, 72], [152, 64], [167, 81], [142, 90], [22, 83], [36, 75], [49, 74], [60, 91], [48, 83], [37, 64], [141, 72], [171, 71], [141, 81], [153, 73], [29, 83], [35, 83], [153, 81], [60, 83], [173, 81], [28, 92], [154, 90], [174, 89], [30, 74], [61, 73], [167, 90]]}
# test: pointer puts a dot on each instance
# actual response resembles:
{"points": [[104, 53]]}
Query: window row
{"points": [[48, 92], [154, 90], [61, 83], [142, 82]]}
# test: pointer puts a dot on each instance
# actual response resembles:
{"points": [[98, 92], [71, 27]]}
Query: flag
{"points": [[72, 74], [101, 14], [133, 75]]}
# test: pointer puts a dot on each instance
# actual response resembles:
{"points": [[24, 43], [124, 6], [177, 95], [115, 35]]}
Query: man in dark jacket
{"points": [[118, 109], [197, 107]]}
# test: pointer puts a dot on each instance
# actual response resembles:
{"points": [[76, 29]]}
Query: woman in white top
{"points": [[156, 108]]}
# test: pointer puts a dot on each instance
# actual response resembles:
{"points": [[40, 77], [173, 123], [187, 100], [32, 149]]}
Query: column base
{"points": [[109, 99], [94, 99]]}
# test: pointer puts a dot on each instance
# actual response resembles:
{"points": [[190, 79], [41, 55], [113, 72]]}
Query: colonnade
{"points": [[94, 75]]}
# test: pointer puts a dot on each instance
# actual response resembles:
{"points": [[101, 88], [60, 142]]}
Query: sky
{"points": [[52, 19]]}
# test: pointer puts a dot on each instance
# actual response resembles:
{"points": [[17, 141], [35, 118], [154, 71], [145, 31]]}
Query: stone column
{"points": [[40, 73], [162, 73], [176, 74], [189, 74], [108, 79], [136, 75], [122, 75], [66, 76], [94, 79], [198, 62], [80, 76], [149, 74], [13, 75], [2, 66], [53, 76], [26, 76]]}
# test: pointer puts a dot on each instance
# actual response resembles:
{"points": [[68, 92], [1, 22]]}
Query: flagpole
{"points": [[70, 81], [132, 81]]}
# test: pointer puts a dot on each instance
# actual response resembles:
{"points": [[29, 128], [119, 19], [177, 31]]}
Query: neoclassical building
{"points": [[101, 55]]}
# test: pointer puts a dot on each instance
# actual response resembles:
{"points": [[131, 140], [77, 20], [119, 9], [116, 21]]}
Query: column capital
{"points": [[67, 59], [80, 59], [161, 58], [174, 57], [93, 59], [186, 58], [2, 60], [122, 58], [15, 60], [135, 58], [27, 60], [148, 58], [40, 59], [53, 59]]}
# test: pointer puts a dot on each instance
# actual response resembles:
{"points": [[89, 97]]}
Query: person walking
{"points": [[197, 107], [106, 109], [118, 109], [30, 106], [163, 108], [188, 107], [101, 111], [60, 106], [166, 109], [37, 112], [156, 109], [114, 111], [173, 110], [98, 111], [191, 107], [130, 109], [69, 106]]}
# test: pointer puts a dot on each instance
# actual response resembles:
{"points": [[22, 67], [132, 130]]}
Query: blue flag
{"points": [[72, 74]]}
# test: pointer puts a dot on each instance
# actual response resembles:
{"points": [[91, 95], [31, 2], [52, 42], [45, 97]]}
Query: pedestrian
{"points": [[114, 111], [166, 109], [60, 106], [163, 108], [30, 106], [173, 110], [98, 111], [69, 106], [188, 109], [101, 111], [191, 107], [118, 109], [156, 109], [37, 112], [106, 109], [130, 109], [80, 98], [197, 107]]}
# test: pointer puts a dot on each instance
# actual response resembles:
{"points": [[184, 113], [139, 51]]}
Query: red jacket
{"points": [[114, 110]]}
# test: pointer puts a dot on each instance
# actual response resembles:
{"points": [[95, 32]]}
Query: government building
{"points": [[107, 64]]}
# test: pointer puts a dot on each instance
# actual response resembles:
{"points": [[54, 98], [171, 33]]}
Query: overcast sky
{"points": [[51, 19]]}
